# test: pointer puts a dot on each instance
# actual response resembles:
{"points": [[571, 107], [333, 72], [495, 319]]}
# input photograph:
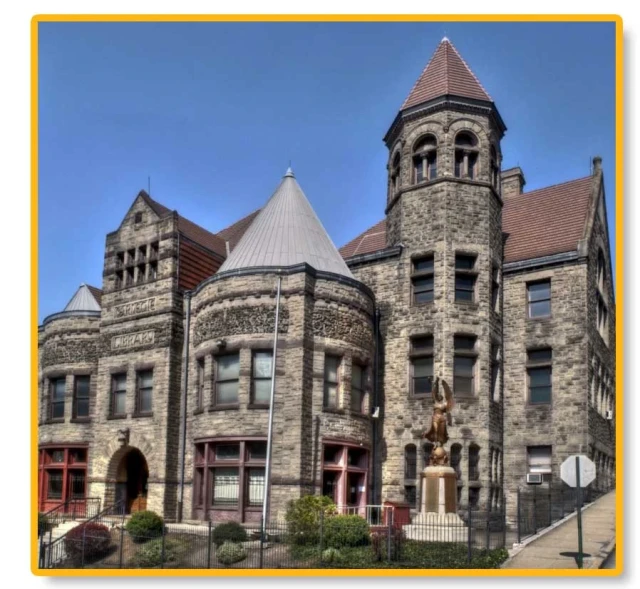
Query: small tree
{"points": [[303, 518], [229, 532]]}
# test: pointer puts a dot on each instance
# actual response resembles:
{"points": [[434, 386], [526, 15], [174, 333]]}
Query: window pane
{"points": [[423, 284], [423, 297], [464, 295], [57, 456], [465, 262], [464, 282], [540, 395], [356, 399], [77, 484], [540, 309], [225, 486], [464, 342], [82, 386], [539, 291], [331, 368], [539, 355], [58, 389], [145, 400], [227, 392], [78, 455], [422, 386], [257, 450], [145, 379], [423, 367], [57, 410], [463, 385], [410, 462], [419, 170], [463, 366], [120, 404], [540, 377], [424, 265], [356, 376], [330, 395], [82, 408], [262, 391], [228, 367], [54, 487], [422, 343], [227, 451], [119, 382], [255, 483], [262, 364]]}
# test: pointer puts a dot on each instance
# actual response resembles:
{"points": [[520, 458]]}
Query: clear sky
{"points": [[213, 112]]}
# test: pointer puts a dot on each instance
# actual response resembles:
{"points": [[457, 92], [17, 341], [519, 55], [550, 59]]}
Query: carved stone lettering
{"points": [[135, 308], [132, 340]]}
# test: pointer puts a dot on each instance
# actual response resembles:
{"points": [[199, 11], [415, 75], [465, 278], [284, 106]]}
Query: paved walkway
{"points": [[558, 547]]}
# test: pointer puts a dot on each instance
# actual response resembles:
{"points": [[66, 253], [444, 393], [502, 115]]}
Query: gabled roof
{"points": [[446, 74], [188, 228], [373, 239], [546, 221], [286, 232], [84, 299], [539, 223], [234, 232]]}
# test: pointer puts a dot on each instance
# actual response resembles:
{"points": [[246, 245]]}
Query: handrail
{"points": [[57, 514]]}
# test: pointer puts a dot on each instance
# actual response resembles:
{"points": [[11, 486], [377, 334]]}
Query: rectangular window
{"points": [[539, 461], [261, 378], [129, 277], [421, 365], [57, 398], [119, 395], [200, 383], [227, 452], [465, 281], [418, 164], [255, 487], [141, 274], [357, 388], [495, 289], [539, 376], [539, 299], [227, 378], [81, 396], [495, 372], [225, 487], [153, 271], [54, 486], [256, 451], [464, 364], [422, 280], [331, 382], [77, 484], [459, 163], [145, 391]]}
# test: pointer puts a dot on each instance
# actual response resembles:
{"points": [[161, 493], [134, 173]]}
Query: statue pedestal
{"points": [[438, 520]]}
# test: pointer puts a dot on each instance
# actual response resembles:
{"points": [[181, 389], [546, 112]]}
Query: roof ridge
{"points": [[424, 69], [557, 184], [468, 68]]}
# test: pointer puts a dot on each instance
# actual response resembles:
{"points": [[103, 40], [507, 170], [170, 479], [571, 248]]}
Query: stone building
{"points": [[155, 390]]}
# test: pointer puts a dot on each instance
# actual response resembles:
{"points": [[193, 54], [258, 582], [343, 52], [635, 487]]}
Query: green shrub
{"points": [[330, 555], [229, 553], [303, 518], [87, 542], [150, 554], [43, 524], [345, 531], [229, 532], [145, 525]]}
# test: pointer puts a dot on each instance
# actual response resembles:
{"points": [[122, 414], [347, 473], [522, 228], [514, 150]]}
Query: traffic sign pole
{"points": [[579, 509]]}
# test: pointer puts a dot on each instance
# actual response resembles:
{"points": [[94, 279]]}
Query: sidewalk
{"points": [[558, 548]]}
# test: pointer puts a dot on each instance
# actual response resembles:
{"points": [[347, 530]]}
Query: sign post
{"points": [[578, 471]]}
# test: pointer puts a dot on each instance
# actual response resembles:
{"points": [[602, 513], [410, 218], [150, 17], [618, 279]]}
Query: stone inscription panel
{"points": [[135, 308], [132, 340]]}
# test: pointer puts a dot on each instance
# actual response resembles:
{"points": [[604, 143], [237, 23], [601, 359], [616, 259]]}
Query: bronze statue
{"points": [[442, 407]]}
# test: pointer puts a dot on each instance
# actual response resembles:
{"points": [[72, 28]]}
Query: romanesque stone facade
{"points": [[155, 391]]}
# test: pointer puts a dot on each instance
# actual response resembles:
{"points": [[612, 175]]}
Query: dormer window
{"points": [[395, 173], [466, 156], [425, 159]]}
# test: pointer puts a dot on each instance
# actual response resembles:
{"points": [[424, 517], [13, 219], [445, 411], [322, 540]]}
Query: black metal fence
{"points": [[539, 506], [329, 542], [70, 510]]}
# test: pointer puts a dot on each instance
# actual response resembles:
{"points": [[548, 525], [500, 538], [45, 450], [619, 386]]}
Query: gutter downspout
{"points": [[183, 423], [374, 422], [267, 466]]}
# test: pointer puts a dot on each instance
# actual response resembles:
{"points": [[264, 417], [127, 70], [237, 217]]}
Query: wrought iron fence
{"points": [[539, 507], [333, 542], [72, 509]]}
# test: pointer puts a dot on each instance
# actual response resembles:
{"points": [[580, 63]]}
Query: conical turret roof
{"points": [[446, 74], [86, 298], [287, 232]]}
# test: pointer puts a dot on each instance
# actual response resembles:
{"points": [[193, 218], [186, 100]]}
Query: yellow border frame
{"points": [[619, 240]]}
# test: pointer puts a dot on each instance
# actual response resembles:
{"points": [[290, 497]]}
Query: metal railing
{"points": [[71, 509], [375, 515]]}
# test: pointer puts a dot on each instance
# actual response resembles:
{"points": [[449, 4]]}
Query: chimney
{"points": [[597, 165], [512, 182]]}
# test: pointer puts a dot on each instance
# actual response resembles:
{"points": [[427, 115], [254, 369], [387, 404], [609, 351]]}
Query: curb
{"points": [[596, 561]]}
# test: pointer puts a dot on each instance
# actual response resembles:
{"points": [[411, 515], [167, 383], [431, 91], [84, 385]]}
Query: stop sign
{"points": [[569, 468]]}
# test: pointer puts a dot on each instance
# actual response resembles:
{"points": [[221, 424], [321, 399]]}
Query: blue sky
{"points": [[213, 112]]}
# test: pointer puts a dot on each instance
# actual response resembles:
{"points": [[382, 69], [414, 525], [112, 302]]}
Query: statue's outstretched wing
{"points": [[435, 390], [448, 395]]}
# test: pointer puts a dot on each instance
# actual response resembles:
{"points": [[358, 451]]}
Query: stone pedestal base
{"points": [[433, 527]]}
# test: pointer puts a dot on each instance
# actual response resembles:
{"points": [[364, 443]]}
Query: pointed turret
{"points": [[86, 298], [287, 232], [446, 74]]}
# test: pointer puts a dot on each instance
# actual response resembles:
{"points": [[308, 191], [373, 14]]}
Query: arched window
{"points": [[495, 169], [425, 159], [601, 271], [454, 459], [395, 173], [426, 453], [474, 461], [466, 155], [410, 461]]}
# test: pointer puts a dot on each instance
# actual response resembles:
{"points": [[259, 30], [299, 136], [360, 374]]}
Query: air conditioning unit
{"points": [[534, 478], [608, 414]]}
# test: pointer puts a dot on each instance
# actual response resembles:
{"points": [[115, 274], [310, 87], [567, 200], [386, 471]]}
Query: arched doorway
{"points": [[131, 481]]}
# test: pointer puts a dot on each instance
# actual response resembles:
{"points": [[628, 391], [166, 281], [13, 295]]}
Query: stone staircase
{"points": [[50, 537]]}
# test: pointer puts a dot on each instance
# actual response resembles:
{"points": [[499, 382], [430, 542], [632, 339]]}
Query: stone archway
{"points": [[128, 475]]}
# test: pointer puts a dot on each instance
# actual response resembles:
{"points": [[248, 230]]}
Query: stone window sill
{"points": [[54, 421], [116, 417], [360, 415], [80, 420], [224, 407], [468, 304], [258, 406], [199, 411], [334, 410], [138, 415]]}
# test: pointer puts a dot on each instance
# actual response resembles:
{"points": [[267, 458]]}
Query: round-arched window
{"points": [[425, 159]]}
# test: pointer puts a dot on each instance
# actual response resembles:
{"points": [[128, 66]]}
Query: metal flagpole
{"points": [[267, 469]]}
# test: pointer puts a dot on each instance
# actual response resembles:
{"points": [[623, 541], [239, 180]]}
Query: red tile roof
{"points": [[373, 239], [539, 223], [188, 228], [546, 221], [446, 73], [96, 292], [234, 232]]}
